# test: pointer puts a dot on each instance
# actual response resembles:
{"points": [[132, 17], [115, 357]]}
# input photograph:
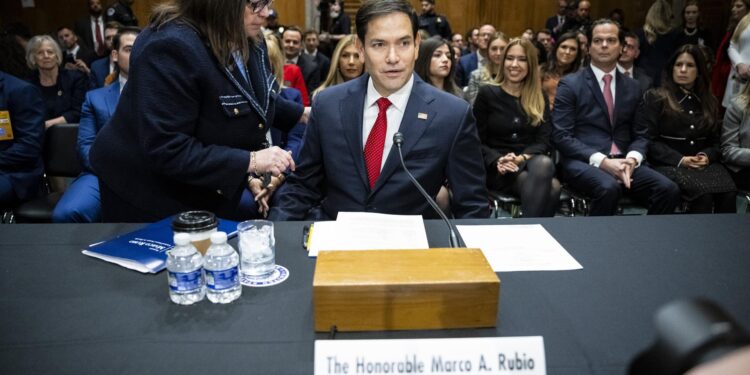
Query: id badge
{"points": [[6, 130]]}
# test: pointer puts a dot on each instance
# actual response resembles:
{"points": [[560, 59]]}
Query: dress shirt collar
{"points": [[600, 73], [398, 99], [74, 51], [294, 60], [313, 53], [623, 70], [123, 81]]}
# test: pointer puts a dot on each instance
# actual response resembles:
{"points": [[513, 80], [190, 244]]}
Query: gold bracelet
{"points": [[253, 163]]}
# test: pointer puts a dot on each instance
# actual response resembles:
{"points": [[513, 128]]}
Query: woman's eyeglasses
{"points": [[258, 5]]}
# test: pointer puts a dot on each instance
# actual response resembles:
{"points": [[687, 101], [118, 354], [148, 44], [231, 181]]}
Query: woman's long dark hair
{"points": [[422, 66], [701, 87], [553, 66], [220, 23]]}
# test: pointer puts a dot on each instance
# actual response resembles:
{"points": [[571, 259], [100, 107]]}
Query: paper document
{"points": [[368, 231], [518, 247]]}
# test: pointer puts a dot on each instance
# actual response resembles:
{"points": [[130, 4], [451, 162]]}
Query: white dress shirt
{"points": [[596, 158], [394, 114]]}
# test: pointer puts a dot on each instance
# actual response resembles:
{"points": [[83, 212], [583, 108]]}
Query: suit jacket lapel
{"points": [[596, 91], [418, 115], [352, 124], [113, 94]]}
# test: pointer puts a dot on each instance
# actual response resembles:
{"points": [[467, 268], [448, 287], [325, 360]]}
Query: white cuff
{"points": [[637, 156], [596, 159]]}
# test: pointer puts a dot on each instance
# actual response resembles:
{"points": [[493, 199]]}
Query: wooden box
{"points": [[377, 290]]}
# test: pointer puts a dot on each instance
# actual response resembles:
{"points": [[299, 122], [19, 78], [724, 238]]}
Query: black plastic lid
{"points": [[194, 221]]}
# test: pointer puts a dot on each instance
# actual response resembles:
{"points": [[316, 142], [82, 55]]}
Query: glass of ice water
{"points": [[257, 248]]}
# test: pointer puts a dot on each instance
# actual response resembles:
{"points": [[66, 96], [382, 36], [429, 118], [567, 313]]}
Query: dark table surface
{"points": [[63, 312]]}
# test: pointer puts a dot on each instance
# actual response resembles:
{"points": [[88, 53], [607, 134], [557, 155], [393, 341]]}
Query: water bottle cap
{"points": [[181, 239], [218, 237]]}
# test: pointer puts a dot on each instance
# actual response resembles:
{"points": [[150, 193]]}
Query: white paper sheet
{"points": [[518, 247], [368, 231]]}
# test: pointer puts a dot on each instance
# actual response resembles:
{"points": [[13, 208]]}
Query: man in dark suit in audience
{"points": [[474, 60], [90, 29], [555, 23], [292, 43], [348, 161], [21, 137], [626, 63], [311, 49], [76, 56], [602, 148]]}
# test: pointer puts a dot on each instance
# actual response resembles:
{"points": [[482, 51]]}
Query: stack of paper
{"points": [[368, 231]]}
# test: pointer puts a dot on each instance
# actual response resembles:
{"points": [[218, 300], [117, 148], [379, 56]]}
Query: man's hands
{"points": [[621, 169]]}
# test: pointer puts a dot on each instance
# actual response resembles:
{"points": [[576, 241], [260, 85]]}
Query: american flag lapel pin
{"points": [[422, 116]]}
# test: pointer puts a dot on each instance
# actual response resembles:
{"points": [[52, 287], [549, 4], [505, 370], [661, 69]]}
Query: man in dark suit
{"points": [[435, 24], [90, 29], [348, 161], [626, 63], [21, 137], [312, 41], [601, 146], [76, 56], [292, 44], [474, 60], [555, 23]]}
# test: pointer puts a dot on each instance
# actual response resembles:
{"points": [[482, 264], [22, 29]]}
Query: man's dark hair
{"points": [[544, 31], [606, 21], [293, 28], [113, 25], [61, 28], [309, 32], [630, 34], [372, 9], [13, 59], [116, 41]]}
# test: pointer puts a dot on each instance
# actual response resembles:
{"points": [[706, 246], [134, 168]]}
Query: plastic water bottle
{"points": [[222, 270], [185, 271]]}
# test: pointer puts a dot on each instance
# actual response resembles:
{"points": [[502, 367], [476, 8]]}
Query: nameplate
{"points": [[491, 355]]}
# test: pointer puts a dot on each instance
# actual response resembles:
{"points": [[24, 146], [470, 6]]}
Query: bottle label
{"points": [[185, 282], [223, 279]]}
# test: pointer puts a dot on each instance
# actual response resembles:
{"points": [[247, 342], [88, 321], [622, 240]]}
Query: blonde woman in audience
{"points": [[346, 63], [739, 55], [513, 120], [656, 40], [63, 90], [487, 74]]}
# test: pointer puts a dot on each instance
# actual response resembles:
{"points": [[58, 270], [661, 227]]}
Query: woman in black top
{"points": [[514, 126], [682, 123], [691, 32], [62, 90]]}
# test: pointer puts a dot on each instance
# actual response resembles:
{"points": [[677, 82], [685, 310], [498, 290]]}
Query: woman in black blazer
{"points": [[62, 90], [681, 117], [514, 125], [190, 129]]}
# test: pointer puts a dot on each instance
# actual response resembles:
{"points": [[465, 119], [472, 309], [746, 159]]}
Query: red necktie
{"points": [[99, 44], [610, 101], [376, 142]]}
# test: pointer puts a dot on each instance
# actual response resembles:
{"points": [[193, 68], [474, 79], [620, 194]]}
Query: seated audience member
{"points": [[81, 202], [472, 40], [103, 67], [292, 44], [349, 161], [514, 125], [346, 64], [583, 43], [657, 41], [292, 74], [565, 59], [457, 40], [312, 41], [62, 90], [681, 120], [21, 134], [477, 59], [435, 65], [626, 63], [735, 139], [528, 34], [433, 23], [544, 38], [75, 56], [580, 17], [602, 148], [488, 72]]}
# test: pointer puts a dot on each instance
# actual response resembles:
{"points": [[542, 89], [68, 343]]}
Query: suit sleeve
{"points": [[731, 149], [86, 133], [564, 122], [168, 94], [481, 113], [27, 119], [542, 134], [301, 192], [466, 174], [78, 86]]}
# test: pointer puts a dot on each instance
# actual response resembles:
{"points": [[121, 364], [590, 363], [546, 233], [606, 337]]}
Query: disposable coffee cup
{"points": [[199, 225]]}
